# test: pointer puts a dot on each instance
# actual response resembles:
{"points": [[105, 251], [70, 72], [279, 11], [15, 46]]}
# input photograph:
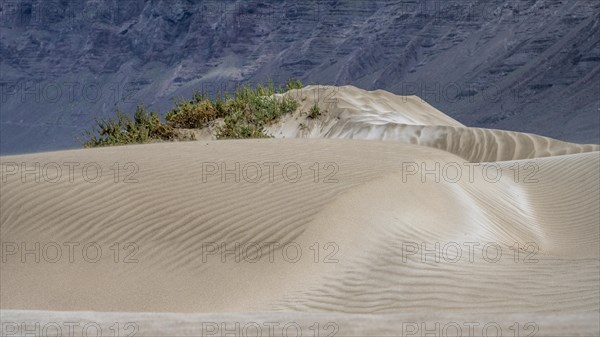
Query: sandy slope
{"points": [[367, 225]]}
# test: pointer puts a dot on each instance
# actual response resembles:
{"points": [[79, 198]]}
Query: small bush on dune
{"points": [[143, 128], [314, 112], [192, 115], [245, 115], [249, 111], [294, 84], [236, 126], [220, 108]]}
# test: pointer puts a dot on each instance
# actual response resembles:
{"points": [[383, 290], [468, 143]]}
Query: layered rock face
{"points": [[531, 66]]}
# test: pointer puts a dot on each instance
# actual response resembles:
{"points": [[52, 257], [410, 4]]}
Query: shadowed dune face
{"points": [[427, 220]]}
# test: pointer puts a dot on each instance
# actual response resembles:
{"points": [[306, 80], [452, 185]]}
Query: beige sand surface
{"points": [[382, 238]]}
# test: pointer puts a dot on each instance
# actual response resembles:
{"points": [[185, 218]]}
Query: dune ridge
{"points": [[348, 112], [353, 113], [357, 220]]}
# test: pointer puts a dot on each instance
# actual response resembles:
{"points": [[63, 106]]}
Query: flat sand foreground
{"points": [[360, 237]]}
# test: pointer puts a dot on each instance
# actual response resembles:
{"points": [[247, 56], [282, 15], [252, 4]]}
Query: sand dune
{"points": [[385, 233], [353, 113]]}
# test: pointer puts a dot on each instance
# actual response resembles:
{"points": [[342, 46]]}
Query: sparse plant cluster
{"points": [[245, 114], [314, 111], [294, 84], [192, 114], [145, 127], [250, 110]]}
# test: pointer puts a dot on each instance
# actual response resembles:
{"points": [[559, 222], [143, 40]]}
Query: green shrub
{"points": [[220, 108], [245, 115], [145, 127], [192, 114], [249, 111], [294, 84], [314, 112], [236, 126]]}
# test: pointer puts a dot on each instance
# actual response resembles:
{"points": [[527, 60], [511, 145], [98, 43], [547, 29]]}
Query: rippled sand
{"points": [[393, 218]]}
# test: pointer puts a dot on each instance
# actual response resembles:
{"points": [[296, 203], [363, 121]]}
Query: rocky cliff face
{"points": [[525, 65]]}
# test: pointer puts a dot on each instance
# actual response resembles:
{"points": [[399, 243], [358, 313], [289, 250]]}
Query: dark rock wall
{"points": [[524, 65]]}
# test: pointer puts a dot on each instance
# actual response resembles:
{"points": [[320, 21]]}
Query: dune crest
{"points": [[353, 113]]}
